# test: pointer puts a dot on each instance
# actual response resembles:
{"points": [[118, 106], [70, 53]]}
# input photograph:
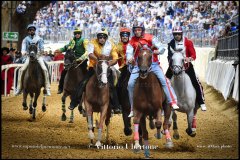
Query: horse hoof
{"points": [[30, 111], [71, 121], [136, 150], [64, 117], [169, 145], [127, 131], [190, 133], [193, 134], [25, 108], [90, 145], [158, 136], [98, 144], [44, 108], [176, 136]]}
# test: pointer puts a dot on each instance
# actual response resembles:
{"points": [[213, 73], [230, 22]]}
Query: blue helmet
{"points": [[31, 26]]}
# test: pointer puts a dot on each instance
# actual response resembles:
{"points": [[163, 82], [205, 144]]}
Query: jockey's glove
{"points": [[188, 59]]}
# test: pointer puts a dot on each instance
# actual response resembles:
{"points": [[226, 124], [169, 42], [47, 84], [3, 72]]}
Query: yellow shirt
{"points": [[108, 49], [121, 50]]}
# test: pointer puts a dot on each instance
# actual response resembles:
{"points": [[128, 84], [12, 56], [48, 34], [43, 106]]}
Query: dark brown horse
{"points": [[74, 75], [149, 100], [32, 82], [96, 98]]}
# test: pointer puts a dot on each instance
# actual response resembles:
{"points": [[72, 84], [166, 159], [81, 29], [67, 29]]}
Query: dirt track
{"points": [[217, 133]]}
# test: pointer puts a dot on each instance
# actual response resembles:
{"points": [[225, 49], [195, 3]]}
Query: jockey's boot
{"points": [[175, 106], [131, 114], [203, 107], [47, 83]]}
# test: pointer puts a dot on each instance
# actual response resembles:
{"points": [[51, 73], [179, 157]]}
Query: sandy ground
{"points": [[217, 133]]}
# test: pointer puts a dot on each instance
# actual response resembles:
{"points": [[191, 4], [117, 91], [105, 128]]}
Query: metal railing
{"points": [[228, 47], [200, 38], [53, 69]]}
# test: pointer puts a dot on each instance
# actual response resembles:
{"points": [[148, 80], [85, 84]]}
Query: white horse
{"points": [[185, 92]]}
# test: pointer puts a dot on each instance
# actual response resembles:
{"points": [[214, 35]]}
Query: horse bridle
{"points": [[183, 68]]}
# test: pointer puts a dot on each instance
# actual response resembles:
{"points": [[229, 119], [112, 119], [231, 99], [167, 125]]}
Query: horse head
{"points": [[69, 59], [33, 49], [103, 70], [144, 61], [177, 61]]}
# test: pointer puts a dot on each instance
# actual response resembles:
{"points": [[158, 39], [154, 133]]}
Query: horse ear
{"points": [[172, 50]]}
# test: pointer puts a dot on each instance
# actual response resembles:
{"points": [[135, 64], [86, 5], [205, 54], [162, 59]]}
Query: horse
{"points": [[149, 100], [96, 98], [74, 76], [124, 99], [32, 82], [185, 93]]}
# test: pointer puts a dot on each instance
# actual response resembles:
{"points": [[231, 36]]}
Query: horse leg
{"points": [[35, 104], [24, 103], [107, 122], [189, 130], [90, 122], [145, 137], [100, 128], [126, 121], [136, 122], [71, 117], [44, 103], [63, 118], [80, 107], [175, 127], [167, 115], [158, 125], [31, 103]]}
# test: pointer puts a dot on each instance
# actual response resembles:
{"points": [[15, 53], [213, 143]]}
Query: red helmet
{"points": [[177, 29], [124, 30]]}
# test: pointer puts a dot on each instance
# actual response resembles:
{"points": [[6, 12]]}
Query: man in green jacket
{"points": [[79, 46]]}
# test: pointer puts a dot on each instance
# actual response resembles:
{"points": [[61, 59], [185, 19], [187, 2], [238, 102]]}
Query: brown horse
{"points": [[149, 100], [32, 82], [74, 75], [96, 98]]}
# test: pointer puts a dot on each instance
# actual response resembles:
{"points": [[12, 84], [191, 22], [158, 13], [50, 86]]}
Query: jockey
{"points": [[122, 46], [98, 46], [179, 43], [79, 46], [141, 38], [32, 38]]}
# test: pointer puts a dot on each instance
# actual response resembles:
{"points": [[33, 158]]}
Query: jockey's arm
{"points": [[24, 47], [158, 45], [114, 55], [93, 57], [85, 55], [129, 54]]}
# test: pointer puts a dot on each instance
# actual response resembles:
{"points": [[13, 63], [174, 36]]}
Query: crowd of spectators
{"points": [[211, 16]]}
